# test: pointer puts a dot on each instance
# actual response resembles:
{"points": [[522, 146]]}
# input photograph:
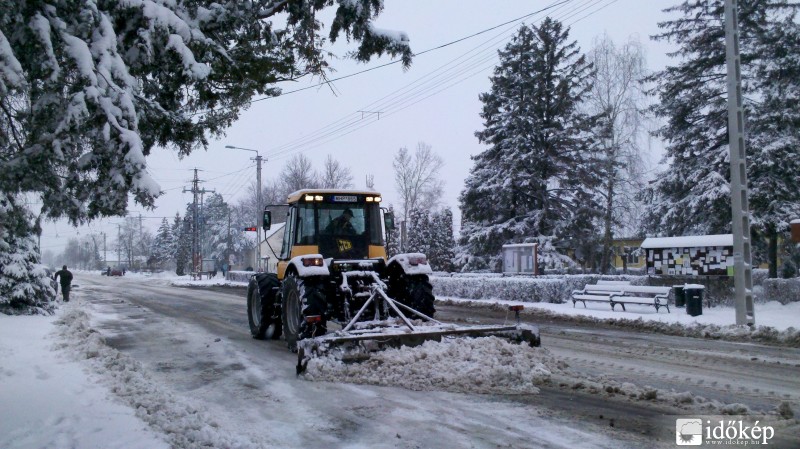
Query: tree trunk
{"points": [[608, 237], [772, 252]]}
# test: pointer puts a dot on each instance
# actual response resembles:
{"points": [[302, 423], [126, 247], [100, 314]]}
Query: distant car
{"points": [[112, 272]]}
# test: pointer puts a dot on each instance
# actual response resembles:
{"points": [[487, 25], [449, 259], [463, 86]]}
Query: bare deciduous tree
{"points": [[417, 178], [618, 98], [335, 175], [298, 174]]}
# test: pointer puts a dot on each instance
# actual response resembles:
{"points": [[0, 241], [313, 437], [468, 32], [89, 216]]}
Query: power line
{"points": [[444, 70], [518, 19], [400, 103]]}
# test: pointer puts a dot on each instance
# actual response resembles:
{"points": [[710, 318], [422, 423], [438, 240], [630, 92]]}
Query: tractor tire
{"points": [[302, 298], [261, 293], [415, 292]]}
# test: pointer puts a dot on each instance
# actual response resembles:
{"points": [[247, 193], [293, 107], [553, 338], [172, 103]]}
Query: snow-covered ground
{"points": [[772, 314], [64, 388], [50, 401]]}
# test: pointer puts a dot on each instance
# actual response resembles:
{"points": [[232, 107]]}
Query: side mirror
{"points": [[267, 223], [388, 220]]}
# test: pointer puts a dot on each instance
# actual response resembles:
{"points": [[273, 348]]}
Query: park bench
{"points": [[623, 294], [198, 275], [604, 282]]}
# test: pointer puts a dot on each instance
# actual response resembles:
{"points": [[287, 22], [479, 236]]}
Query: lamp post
{"points": [[258, 160]]}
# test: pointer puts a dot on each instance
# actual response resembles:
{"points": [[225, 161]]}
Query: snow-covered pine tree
{"points": [[24, 287], [161, 249], [774, 169], [393, 237], [183, 243], [443, 243], [692, 196], [87, 88], [215, 227], [534, 176], [419, 235], [175, 230]]}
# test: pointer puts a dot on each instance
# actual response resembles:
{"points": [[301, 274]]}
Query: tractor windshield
{"points": [[342, 230]]}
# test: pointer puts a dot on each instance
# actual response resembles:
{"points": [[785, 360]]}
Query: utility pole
{"points": [[194, 190], [196, 236], [228, 250], [742, 268], [119, 242], [259, 206]]}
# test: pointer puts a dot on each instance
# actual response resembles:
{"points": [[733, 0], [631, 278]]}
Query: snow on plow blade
{"points": [[356, 344]]}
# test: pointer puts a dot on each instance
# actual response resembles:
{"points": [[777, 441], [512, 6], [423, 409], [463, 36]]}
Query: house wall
{"points": [[628, 249]]}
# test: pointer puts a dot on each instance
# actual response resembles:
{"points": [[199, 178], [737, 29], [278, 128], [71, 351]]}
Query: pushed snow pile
{"points": [[468, 365], [182, 424]]}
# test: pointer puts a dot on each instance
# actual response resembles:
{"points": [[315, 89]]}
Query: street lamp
{"points": [[258, 160]]}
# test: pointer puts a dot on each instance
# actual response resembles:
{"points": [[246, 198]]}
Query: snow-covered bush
{"points": [[555, 289], [782, 290], [24, 284]]}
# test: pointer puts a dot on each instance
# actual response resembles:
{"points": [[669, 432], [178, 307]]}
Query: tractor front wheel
{"points": [[261, 293]]}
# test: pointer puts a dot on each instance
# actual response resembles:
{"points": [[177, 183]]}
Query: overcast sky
{"points": [[435, 101]]}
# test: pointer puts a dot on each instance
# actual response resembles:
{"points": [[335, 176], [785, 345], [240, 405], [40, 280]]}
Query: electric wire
{"points": [[518, 19], [489, 46], [420, 95]]}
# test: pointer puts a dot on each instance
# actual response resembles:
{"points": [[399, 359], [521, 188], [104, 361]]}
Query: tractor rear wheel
{"points": [[261, 293], [415, 292], [303, 298]]}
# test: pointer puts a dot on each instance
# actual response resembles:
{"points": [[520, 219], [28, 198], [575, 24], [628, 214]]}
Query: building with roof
{"points": [[697, 255]]}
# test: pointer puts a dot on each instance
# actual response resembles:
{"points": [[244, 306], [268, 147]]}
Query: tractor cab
{"points": [[338, 224]]}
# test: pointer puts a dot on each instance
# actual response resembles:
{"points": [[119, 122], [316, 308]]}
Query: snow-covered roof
{"points": [[688, 241], [294, 196], [796, 221], [520, 245]]}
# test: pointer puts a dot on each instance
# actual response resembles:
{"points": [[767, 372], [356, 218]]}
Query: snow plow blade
{"points": [[356, 345]]}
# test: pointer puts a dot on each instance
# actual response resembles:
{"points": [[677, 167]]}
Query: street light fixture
{"points": [[258, 160]]}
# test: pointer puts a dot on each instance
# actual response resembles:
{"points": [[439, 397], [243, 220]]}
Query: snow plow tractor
{"points": [[335, 290]]}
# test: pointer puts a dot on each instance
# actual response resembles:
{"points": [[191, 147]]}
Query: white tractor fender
{"points": [[412, 263], [311, 270]]}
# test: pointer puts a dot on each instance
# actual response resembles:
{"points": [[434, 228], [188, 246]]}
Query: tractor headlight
{"points": [[417, 260], [313, 262]]}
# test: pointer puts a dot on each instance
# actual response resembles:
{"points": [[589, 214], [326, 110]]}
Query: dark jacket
{"points": [[340, 226], [66, 277]]}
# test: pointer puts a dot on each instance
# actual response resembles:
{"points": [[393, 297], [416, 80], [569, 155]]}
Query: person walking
{"points": [[66, 281]]}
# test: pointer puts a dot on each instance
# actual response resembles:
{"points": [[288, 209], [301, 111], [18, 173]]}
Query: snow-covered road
{"points": [[184, 361], [195, 348]]}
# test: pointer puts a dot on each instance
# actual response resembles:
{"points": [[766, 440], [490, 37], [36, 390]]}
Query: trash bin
{"points": [[680, 295], [694, 299]]}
